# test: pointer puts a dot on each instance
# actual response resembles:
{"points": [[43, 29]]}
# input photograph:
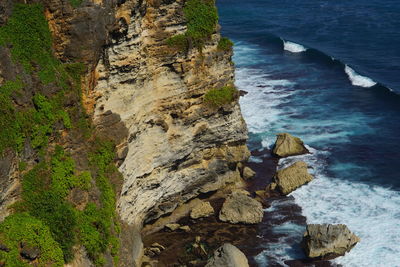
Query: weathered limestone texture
{"points": [[178, 147]]}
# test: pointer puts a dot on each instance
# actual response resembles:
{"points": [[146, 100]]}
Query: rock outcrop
{"points": [[240, 208], [327, 241], [203, 209], [177, 147], [248, 173], [289, 179], [228, 255], [287, 145]]}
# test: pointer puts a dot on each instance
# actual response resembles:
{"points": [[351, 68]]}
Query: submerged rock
{"points": [[289, 179], [287, 145], [203, 209], [327, 241], [228, 255], [172, 226], [240, 208]]}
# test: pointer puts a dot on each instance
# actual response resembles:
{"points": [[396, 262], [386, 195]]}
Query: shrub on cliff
{"points": [[22, 232], [225, 44], [202, 18], [218, 97]]}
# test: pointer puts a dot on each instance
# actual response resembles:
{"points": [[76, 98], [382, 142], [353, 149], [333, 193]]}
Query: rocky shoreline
{"points": [[211, 232]]}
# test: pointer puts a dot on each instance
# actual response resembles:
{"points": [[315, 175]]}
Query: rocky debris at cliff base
{"points": [[201, 210], [287, 145], [328, 241], [228, 255], [289, 179], [154, 250], [248, 173], [172, 226], [240, 208]]}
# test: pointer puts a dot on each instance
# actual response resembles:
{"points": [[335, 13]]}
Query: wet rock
{"points": [[228, 255], [203, 209], [289, 179], [240, 208], [327, 241], [287, 145], [248, 173]]}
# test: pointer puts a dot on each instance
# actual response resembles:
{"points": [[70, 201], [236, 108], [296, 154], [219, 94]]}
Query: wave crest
{"points": [[293, 47], [357, 79]]}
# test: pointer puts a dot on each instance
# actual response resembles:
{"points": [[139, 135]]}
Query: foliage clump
{"points": [[21, 228], [75, 3], [218, 97], [225, 44], [202, 18], [46, 205]]}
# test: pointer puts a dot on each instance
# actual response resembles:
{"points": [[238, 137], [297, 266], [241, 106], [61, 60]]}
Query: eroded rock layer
{"points": [[177, 146]]}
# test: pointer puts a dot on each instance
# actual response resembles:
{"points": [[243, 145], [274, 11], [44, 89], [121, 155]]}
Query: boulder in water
{"points": [[228, 255], [328, 241], [289, 179], [287, 145]]}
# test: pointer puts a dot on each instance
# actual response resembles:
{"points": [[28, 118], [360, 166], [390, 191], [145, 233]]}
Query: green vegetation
{"points": [[202, 18], [46, 216], [225, 44], [75, 3], [21, 228], [220, 96], [99, 225], [28, 33]]}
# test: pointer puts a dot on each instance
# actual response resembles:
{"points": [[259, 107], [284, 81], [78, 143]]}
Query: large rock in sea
{"points": [[287, 145], [327, 241], [289, 179], [228, 255], [240, 208]]}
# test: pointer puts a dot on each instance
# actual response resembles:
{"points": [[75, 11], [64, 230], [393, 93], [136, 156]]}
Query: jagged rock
{"points": [[292, 177], [172, 226], [240, 208], [203, 209], [154, 250], [248, 173], [327, 241], [228, 255], [287, 145]]}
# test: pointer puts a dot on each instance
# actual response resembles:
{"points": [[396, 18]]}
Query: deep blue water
{"points": [[291, 58]]}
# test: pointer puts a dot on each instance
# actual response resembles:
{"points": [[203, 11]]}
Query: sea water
{"points": [[328, 72]]}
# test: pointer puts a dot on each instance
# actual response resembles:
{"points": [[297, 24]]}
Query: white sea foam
{"points": [[293, 47], [357, 79], [372, 212]]}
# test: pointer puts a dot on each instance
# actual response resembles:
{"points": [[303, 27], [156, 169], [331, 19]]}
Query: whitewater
{"points": [[371, 211]]}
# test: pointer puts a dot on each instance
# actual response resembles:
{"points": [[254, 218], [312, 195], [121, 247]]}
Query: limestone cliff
{"points": [[178, 147], [140, 92]]}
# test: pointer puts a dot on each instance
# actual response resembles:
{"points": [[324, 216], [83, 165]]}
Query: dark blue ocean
{"points": [[328, 72]]}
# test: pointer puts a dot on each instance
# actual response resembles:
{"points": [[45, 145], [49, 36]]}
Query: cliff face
{"points": [[178, 147]]}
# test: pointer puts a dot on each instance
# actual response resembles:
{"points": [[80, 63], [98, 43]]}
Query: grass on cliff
{"points": [[202, 18], [219, 97], [225, 44], [46, 217]]}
